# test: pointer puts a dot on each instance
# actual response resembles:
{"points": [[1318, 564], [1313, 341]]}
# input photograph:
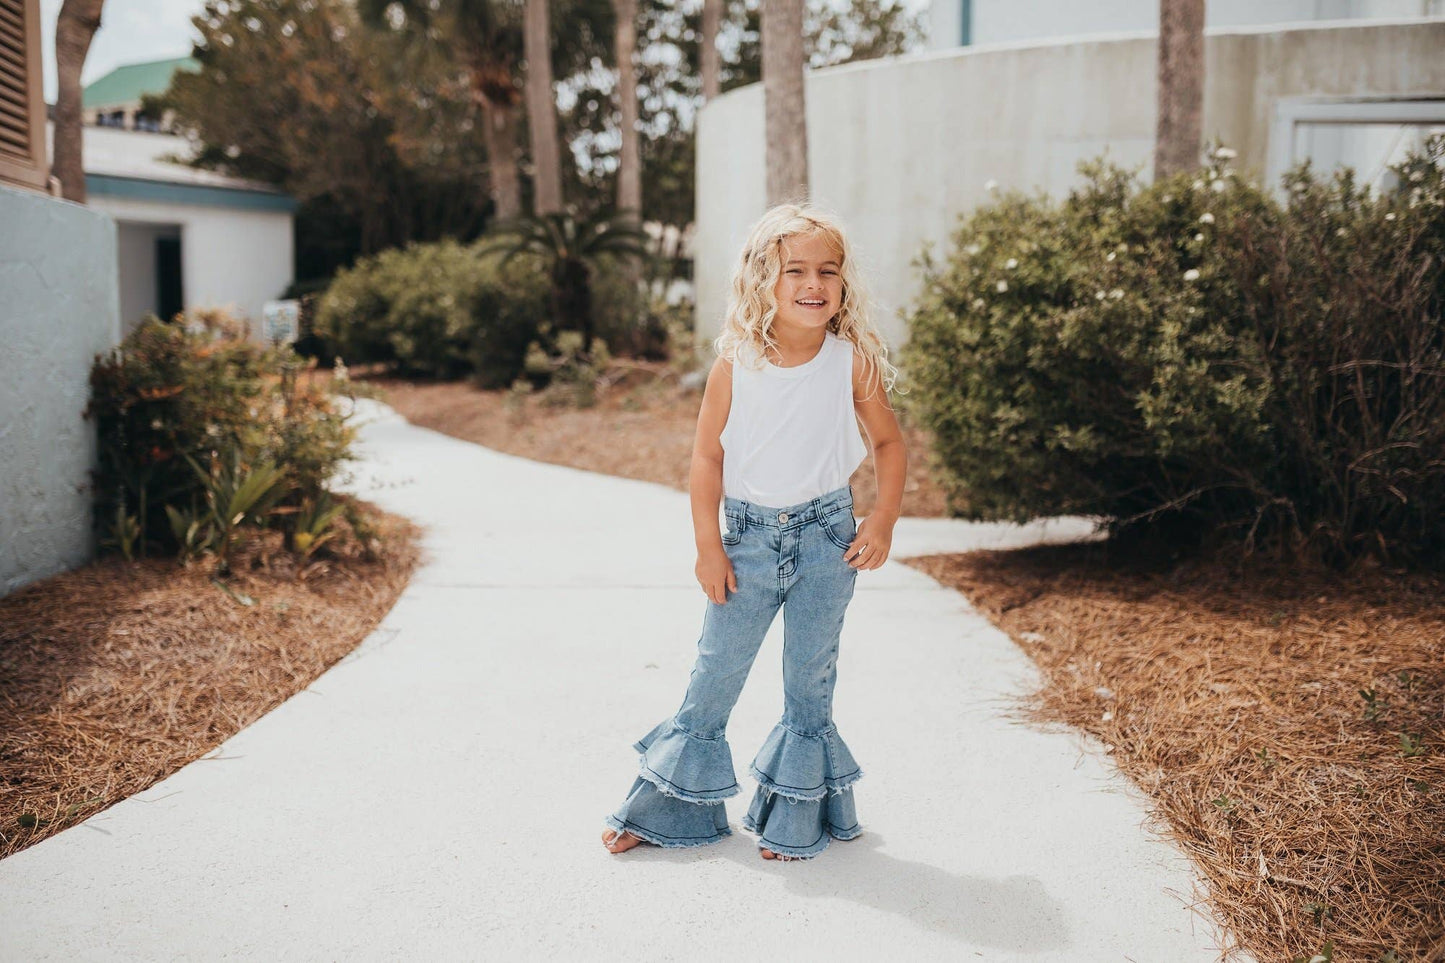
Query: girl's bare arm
{"points": [[890, 464], [714, 569]]}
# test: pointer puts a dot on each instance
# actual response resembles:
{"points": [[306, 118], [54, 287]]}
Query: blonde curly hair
{"points": [[752, 305]]}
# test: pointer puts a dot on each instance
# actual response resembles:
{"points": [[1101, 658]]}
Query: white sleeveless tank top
{"points": [[791, 433]]}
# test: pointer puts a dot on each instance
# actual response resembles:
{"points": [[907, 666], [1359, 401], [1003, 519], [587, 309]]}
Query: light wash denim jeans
{"points": [[788, 557]]}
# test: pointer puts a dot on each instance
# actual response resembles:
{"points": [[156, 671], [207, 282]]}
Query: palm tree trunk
{"points": [[711, 63], [629, 170], [500, 134], [1181, 86], [74, 29], [785, 131], [542, 109]]}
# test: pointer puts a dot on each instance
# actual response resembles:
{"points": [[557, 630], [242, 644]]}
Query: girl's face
{"points": [[810, 287]]}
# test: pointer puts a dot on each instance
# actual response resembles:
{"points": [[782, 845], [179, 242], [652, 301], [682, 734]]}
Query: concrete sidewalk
{"points": [[439, 793]]}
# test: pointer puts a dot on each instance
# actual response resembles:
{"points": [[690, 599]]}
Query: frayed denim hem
{"points": [[679, 763], [796, 852], [830, 785], [677, 792], [666, 842]]}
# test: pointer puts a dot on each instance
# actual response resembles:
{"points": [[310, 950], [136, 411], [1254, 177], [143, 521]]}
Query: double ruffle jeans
{"points": [[790, 558]]}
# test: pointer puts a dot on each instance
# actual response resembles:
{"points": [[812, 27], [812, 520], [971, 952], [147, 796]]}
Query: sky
{"points": [[135, 31]]}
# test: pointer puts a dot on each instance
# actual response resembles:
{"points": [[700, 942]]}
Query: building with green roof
{"points": [[115, 99]]}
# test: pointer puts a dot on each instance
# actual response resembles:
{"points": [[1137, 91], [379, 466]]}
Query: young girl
{"points": [[777, 441]]}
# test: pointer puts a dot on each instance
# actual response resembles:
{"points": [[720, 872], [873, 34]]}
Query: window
{"points": [[1365, 133], [22, 112]]}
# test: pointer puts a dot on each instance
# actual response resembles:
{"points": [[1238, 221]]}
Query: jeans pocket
{"points": [[841, 527], [734, 533]]}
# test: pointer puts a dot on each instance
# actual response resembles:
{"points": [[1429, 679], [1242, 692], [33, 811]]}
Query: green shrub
{"points": [[510, 309], [435, 309], [620, 307], [167, 397], [1184, 355]]}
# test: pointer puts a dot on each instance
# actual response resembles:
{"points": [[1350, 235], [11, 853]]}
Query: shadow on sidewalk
{"points": [[1013, 913]]}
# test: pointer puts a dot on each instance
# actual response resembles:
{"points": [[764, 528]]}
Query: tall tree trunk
{"points": [[74, 29], [785, 132], [1181, 86], [629, 170], [711, 63], [500, 135], [542, 109]]}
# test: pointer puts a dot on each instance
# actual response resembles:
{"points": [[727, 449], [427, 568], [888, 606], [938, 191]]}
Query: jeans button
{"points": [[782, 516]]}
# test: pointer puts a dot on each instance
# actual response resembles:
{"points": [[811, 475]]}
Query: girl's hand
{"points": [[870, 546], [715, 573]]}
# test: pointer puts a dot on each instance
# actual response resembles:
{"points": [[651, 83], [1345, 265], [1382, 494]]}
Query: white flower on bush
{"points": [[1206, 218], [1001, 287], [1416, 176], [1340, 232], [978, 303], [1117, 293], [1011, 263], [157, 424], [1225, 153], [1110, 256], [1192, 274], [1390, 216], [972, 249], [213, 430], [1099, 295], [1198, 185], [1218, 184], [1199, 237]]}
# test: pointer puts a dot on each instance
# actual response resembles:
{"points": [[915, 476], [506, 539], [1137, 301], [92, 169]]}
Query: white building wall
{"points": [[136, 244], [231, 258], [1012, 21], [901, 148]]}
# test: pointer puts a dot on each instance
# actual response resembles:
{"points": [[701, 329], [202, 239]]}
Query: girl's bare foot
{"points": [[618, 842], [769, 854]]}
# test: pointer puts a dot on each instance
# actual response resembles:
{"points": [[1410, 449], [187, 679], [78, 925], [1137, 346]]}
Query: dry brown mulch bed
{"points": [[1289, 725], [114, 675], [642, 427]]}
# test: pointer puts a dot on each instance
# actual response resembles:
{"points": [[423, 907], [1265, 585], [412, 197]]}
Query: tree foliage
{"points": [[379, 135]]}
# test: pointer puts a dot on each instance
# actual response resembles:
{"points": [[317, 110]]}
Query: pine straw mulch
{"points": [[116, 674], [641, 427], [1233, 696]]}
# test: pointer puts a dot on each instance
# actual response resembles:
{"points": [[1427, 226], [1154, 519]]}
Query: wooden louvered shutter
{"points": [[22, 110]]}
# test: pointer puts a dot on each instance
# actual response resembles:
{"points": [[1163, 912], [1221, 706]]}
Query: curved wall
{"points": [[900, 148]]}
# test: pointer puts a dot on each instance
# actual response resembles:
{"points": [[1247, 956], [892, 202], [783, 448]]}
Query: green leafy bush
{"points": [[1193, 355], [168, 398], [436, 309]]}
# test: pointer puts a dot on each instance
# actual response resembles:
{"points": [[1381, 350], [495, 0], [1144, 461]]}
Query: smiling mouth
{"points": [[812, 302]]}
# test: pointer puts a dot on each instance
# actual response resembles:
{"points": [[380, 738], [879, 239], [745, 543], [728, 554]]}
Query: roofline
{"points": [[203, 195]]}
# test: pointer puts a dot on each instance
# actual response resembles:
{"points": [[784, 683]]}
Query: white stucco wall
{"points": [[901, 148], [136, 252], [1011, 21], [58, 309], [231, 258]]}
